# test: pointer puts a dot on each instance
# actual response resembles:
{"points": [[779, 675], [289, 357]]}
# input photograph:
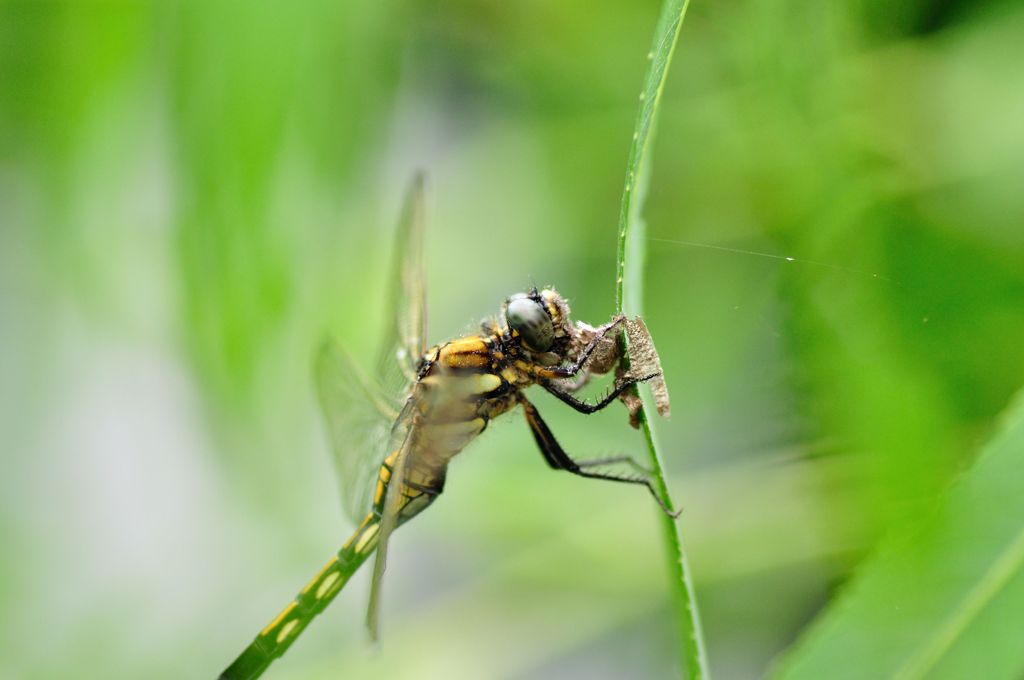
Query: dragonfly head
{"points": [[539, 322]]}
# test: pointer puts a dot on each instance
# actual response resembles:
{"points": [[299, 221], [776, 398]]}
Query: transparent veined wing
{"points": [[403, 437], [404, 340], [361, 410], [359, 418], [403, 344]]}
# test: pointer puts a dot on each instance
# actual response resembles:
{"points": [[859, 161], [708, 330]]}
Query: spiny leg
{"points": [[584, 407], [577, 382], [574, 368], [558, 459], [612, 460]]}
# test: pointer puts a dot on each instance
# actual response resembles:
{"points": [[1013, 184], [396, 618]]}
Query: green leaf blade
{"points": [[942, 597], [666, 36], [628, 299]]}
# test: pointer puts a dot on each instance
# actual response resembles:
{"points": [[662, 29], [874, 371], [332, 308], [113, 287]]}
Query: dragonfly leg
{"points": [[558, 459], [416, 495], [612, 460], [574, 368], [575, 384], [432, 490], [584, 407]]}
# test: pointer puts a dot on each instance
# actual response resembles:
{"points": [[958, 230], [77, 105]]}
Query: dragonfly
{"points": [[393, 434]]}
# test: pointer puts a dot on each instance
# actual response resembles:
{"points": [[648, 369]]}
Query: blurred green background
{"points": [[193, 194]]}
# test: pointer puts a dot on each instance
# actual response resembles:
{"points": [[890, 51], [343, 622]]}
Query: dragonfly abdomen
{"points": [[279, 634], [464, 388]]}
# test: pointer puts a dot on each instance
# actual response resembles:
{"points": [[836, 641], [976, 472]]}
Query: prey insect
{"points": [[425, 405]]}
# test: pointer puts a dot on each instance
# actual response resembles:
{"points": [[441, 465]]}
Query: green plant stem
{"points": [[628, 297]]}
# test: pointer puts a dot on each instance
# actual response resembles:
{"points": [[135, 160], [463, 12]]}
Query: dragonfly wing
{"points": [[363, 415], [404, 339], [394, 502], [359, 419]]}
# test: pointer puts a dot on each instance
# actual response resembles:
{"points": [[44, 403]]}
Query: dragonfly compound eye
{"points": [[529, 318]]}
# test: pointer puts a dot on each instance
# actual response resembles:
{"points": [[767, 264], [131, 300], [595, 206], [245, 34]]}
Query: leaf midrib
{"points": [[1006, 565]]}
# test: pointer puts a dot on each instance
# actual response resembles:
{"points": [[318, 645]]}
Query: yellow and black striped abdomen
{"points": [[279, 634]]}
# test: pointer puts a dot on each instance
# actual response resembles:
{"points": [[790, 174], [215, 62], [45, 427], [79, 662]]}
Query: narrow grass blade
{"points": [[628, 296]]}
